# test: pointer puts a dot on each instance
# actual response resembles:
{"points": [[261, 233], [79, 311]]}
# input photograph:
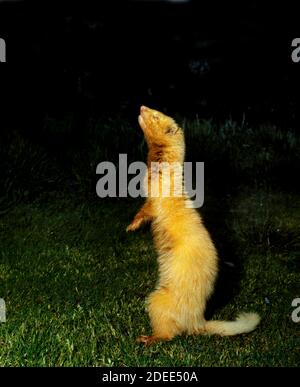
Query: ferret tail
{"points": [[244, 323]]}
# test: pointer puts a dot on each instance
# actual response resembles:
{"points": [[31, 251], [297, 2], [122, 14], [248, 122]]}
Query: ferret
{"points": [[187, 257]]}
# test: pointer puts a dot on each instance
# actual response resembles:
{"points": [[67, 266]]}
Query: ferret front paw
{"points": [[134, 225]]}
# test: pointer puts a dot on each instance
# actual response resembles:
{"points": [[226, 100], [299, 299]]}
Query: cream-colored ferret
{"points": [[187, 257]]}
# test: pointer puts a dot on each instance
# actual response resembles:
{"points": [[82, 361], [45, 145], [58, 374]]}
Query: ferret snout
{"points": [[144, 108]]}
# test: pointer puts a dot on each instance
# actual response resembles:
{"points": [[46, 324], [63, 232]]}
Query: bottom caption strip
{"points": [[149, 376]]}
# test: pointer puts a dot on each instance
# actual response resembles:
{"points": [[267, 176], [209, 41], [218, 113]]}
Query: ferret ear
{"points": [[171, 130]]}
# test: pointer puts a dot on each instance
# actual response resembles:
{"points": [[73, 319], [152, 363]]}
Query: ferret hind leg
{"points": [[161, 309]]}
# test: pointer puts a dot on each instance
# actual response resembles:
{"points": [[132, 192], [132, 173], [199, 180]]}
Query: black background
{"points": [[213, 59]]}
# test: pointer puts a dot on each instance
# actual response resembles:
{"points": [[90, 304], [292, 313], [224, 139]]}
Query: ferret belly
{"points": [[187, 261]]}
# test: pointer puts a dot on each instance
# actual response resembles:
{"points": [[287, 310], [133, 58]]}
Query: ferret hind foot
{"points": [[148, 340]]}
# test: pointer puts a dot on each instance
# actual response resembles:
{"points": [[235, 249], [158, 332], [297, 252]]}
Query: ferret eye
{"points": [[156, 117]]}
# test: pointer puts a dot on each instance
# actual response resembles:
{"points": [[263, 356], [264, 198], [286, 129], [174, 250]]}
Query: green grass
{"points": [[74, 283]]}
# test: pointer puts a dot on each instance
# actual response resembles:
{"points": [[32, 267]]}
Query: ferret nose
{"points": [[143, 108]]}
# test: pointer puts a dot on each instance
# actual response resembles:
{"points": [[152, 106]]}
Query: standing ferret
{"points": [[187, 257]]}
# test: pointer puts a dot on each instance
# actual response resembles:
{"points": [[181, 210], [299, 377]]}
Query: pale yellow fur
{"points": [[187, 257]]}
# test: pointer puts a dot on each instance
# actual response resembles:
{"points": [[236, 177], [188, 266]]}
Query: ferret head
{"points": [[161, 130]]}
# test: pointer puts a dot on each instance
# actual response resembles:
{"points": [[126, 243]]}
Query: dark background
{"points": [[213, 59], [77, 73]]}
